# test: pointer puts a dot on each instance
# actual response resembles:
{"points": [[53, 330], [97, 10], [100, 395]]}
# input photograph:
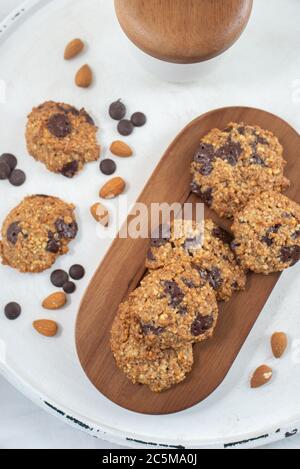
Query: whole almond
{"points": [[100, 213], [121, 149], [55, 301], [113, 188], [261, 376], [73, 49], [46, 327], [84, 77], [279, 343]]}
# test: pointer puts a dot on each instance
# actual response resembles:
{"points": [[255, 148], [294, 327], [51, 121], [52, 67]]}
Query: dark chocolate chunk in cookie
{"points": [[201, 325], [13, 232], [290, 254], [66, 230], [175, 293], [149, 329], [59, 125], [70, 169]]}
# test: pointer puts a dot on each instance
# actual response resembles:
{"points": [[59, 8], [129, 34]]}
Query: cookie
{"points": [[206, 247], [62, 137], [235, 164], [267, 233], [153, 367], [174, 307], [37, 232]]}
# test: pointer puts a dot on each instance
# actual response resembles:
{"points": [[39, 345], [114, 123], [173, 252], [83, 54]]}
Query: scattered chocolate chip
{"points": [[150, 255], [228, 129], [160, 236], [148, 329], [290, 254], [188, 282], [53, 245], [138, 119], [4, 170], [69, 287], [273, 229], [108, 167], [59, 278], [70, 169], [182, 310], [256, 159], [213, 276], [173, 290], [59, 125], [66, 230], [235, 285], [230, 152], [268, 241], [125, 127], [9, 159], [262, 140], [12, 232], [205, 196], [223, 235], [205, 157], [117, 110], [12, 311], [77, 272], [17, 177], [296, 235], [241, 130], [234, 245], [201, 325]]}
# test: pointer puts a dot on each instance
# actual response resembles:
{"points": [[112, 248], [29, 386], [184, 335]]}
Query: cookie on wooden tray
{"points": [[206, 247], [62, 137], [235, 164], [37, 232], [174, 306], [151, 366], [267, 233]]}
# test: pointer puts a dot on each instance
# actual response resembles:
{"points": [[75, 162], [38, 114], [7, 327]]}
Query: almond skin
{"points": [[113, 188], [46, 327], [73, 49], [84, 77], [261, 376], [55, 301], [279, 343], [121, 149], [100, 214]]}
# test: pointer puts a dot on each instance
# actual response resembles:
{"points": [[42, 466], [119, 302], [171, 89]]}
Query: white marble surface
{"points": [[23, 425]]}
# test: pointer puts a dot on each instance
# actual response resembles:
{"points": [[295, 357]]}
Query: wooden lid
{"points": [[183, 31]]}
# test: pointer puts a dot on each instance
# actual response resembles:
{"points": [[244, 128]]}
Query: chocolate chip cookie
{"points": [[235, 164], [37, 232], [267, 233], [62, 137], [174, 306], [206, 247], [151, 366]]}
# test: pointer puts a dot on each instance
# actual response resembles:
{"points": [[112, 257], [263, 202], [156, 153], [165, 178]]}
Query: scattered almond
{"points": [[55, 301], [100, 213], [84, 77], [279, 342], [121, 149], [46, 327], [73, 49], [261, 376], [113, 188]]}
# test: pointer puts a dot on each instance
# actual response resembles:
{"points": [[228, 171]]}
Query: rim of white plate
{"points": [[102, 430]]}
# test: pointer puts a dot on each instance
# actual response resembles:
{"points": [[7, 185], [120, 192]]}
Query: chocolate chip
{"points": [[70, 169], [150, 255], [108, 167], [12, 311], [173, 290], [53, 245], [205, 157], [59, 125], [9, 159], [160, 236], [59, 278], [290, 254], [66, 230], [17, 177], [223, 235], [268, 241], [125, 127], [4, 170], [205, 196], [188, 282], [273, 229], [148, 329], [182, 310], [230, 152], [296, 235], [235, 285], [77, 272], [241, 130], [213, 276], [262, 140], [69, 287], [117, 110], [138, 119], [201, 325], [256, 159], [12, 232]]}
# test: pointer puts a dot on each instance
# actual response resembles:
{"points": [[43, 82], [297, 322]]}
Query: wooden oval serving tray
{"points": [[123, 268]]}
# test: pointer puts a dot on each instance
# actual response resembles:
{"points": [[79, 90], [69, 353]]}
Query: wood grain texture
{"points": [[186, 31], [123, 268]]}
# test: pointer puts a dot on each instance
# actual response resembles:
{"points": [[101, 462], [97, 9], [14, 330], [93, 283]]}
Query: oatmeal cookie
{"points": [[267, 233], [235, 164], [36, 232], [62, 138], [174, 306], [206, 247], [156, 368]]}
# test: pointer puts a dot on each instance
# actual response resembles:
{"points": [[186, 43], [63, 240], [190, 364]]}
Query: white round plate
{"points": [[262, 70]]}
